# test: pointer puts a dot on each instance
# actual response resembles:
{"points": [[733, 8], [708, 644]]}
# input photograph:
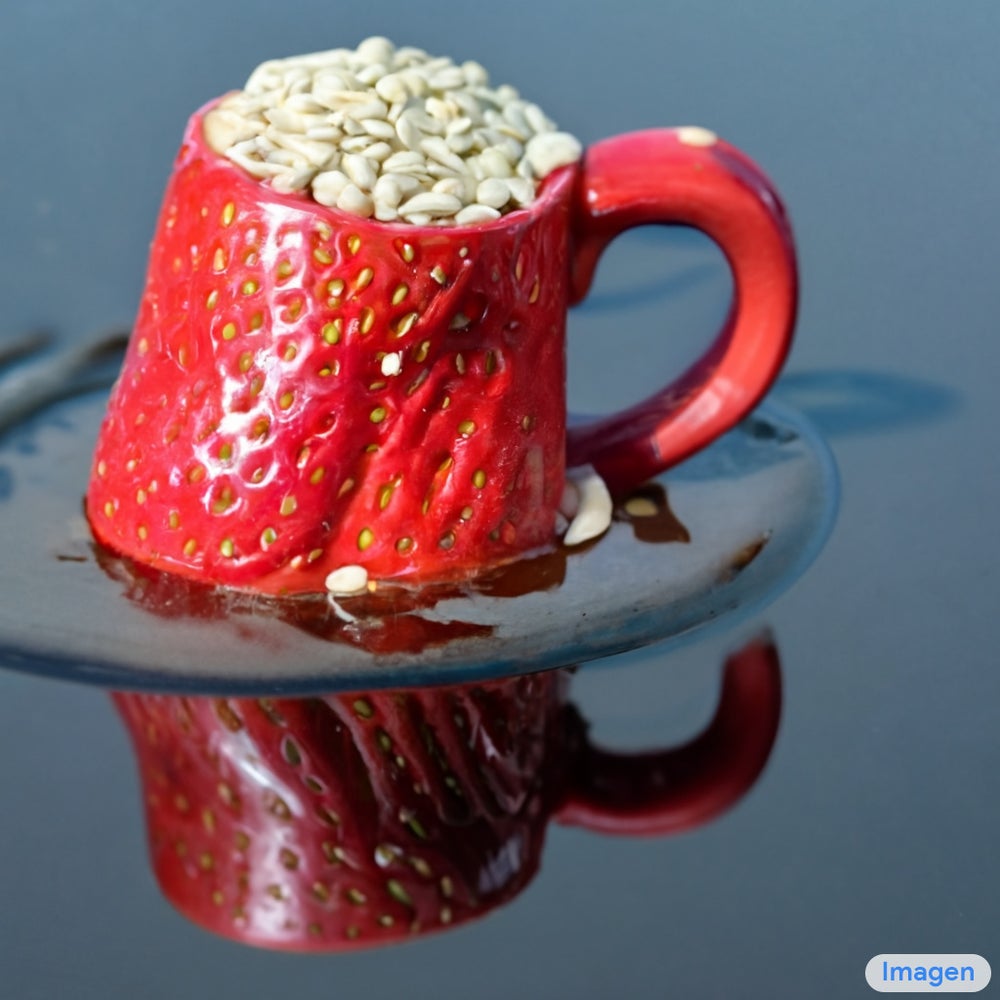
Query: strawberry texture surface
{"points": [[305, 390], [347, 821]]}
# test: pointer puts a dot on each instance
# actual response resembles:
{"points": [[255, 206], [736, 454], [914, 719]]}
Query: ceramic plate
{"points": [[723, 533]]}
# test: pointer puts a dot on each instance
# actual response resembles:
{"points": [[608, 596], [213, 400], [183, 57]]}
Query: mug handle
{"points": [[666, 791], [686, 176]]}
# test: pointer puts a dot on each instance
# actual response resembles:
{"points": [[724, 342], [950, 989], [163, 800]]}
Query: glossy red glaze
{"points": [[325, 824], [254, 439], [659, 176]]}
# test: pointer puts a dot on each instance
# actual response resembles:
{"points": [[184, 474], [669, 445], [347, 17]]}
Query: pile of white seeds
{"points": [[391, 134]]}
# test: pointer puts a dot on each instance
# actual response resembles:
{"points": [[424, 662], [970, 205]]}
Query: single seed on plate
{"points": [[347, 580], [640, 507]]}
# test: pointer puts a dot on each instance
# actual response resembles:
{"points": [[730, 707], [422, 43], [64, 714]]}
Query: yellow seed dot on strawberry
{"points": [[467, 427], [535, 291], [212, 299], [332, 331], [219, 260], [246, 360], [447, 541], [407, 252], [229, 331], [378, 415], [367, 319], [466, 514], [249, 287], [400, 293], [317, 475], [190, 547], [286, 399], [288, 506], [256, 321], [438, 274], [322, 256], [364, 278], [353, 243], [347, 486], [228, 213], [479, 479], [227, 547], [404, 544], [174, 520], [460, 364], [225, 452], [109, 509], [102, 467], [268, 537], [365, 538], [405, 324], [314, 555], [422, 351], [142, 532], [385, 495], [290, 351], [285, 269]]}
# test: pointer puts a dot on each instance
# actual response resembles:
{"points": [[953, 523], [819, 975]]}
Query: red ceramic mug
{"points": [[324, 824], [305, 390]]}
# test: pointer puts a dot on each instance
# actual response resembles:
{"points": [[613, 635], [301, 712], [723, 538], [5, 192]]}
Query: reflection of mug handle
{"points": [[667, 791], [687, 177]]}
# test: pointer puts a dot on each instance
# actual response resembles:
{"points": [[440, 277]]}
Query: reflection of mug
{"points": [[405, 385], [362, 819]]}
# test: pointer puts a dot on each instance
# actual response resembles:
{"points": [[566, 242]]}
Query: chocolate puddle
{"points": [[389, 619]]}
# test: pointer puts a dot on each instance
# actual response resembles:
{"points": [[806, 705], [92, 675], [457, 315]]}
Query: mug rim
{"points": [[553, 188]]}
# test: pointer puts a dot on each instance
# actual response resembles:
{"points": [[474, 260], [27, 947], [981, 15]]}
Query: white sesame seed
{"points": [[347, 580], [392, 364], [473, 214], [695, 135], [493, 192], [551, 150], [593, 517], [352, 199]]}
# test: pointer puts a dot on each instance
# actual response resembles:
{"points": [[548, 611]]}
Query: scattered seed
{"points": [[347, 580]]}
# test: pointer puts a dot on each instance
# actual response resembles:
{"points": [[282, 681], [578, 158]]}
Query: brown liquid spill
{"points": [[388, 619]]}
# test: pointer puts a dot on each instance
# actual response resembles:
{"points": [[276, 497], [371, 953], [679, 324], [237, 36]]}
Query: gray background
{"points": [[874, 828]]}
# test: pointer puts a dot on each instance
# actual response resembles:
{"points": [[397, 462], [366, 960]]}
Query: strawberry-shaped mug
{"points": [[324, 824], [307, 391]]}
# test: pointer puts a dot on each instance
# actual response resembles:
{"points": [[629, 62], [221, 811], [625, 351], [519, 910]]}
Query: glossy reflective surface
{"points": [[873, 827], [723, 533]]}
